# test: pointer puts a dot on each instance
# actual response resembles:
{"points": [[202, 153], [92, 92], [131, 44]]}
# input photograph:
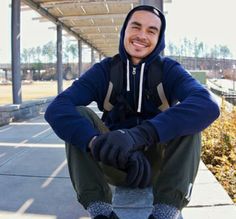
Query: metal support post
{"points": [[80, 62], [92, 56], [15, 52], [59, 60]]}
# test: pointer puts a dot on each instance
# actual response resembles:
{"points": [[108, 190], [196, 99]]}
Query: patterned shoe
{"points": [[112, 216]]}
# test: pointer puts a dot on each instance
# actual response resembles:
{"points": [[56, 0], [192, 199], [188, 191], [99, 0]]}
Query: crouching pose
{"points": [[149, 134]]}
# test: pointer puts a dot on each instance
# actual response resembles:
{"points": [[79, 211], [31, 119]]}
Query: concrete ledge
{"points": [[28, 109]]}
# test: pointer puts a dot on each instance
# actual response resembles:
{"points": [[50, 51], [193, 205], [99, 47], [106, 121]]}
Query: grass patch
{"points": [[35, 90]]}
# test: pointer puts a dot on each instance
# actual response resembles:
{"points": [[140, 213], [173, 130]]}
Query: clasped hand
{"points": [[123, 149]]}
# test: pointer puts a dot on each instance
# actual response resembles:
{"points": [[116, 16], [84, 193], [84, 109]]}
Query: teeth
{"points": [[138, 44]]}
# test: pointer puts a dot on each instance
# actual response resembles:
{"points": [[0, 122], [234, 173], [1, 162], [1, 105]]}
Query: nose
{"points": [[142, 34]]}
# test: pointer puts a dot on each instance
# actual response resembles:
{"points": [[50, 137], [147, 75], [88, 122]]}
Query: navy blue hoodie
{"points": [[196, 108]]}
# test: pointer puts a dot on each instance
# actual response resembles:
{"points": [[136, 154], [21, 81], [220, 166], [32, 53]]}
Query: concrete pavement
{"points": [[34, 180]]}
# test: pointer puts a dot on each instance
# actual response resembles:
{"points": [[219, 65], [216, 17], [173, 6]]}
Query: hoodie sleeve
{"points": [[196, 109], [62, 115]]}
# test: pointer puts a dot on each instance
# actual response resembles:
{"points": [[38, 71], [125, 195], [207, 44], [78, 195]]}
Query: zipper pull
{"points": [[134, 71]]}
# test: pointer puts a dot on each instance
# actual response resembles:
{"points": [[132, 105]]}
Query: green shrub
{"points": [[219, 149]]}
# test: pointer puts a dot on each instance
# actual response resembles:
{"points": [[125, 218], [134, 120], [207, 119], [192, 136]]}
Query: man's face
{"points": [[141, 35]]}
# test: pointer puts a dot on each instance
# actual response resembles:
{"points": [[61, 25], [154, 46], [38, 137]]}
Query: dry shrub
{"points": [[219, 149]]}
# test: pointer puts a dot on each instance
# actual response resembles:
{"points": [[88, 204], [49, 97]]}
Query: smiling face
{"points": [[141, 35]]}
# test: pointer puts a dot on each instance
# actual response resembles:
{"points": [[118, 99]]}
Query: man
{"points": [[139, 142]]}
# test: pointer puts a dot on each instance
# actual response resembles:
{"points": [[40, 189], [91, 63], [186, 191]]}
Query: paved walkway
{"points": [[34, 181]]}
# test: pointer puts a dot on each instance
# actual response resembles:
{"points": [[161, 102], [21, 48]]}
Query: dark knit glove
{"points": [[115, 147], [138, 171]]}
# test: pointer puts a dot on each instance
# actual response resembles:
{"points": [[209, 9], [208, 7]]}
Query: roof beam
{"points": [[92, 16], [107, 45], [85, 4], [92, 37], [94, 26], [105, 41], [103, 33]]}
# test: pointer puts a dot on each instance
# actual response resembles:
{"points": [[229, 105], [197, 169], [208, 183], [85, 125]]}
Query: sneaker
{"points": [[112, 216]]}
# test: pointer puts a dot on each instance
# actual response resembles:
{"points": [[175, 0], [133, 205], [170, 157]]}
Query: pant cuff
{"points": [[86, 199], [175, 199]]}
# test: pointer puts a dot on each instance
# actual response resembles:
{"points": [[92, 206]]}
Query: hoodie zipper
{"points": [[134, 86], [134, 96]]}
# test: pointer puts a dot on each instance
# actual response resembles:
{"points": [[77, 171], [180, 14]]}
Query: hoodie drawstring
{"points": [[140, 88], [140, 84], [127, 75]]}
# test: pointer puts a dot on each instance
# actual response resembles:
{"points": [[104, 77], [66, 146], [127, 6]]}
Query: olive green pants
{"points": [[174, 168]]}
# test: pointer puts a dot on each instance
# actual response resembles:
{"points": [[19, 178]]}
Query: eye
{"points": [[152, 32], [135, 27]]}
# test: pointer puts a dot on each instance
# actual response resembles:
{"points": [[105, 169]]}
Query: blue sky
{"points": [[210, 21]]}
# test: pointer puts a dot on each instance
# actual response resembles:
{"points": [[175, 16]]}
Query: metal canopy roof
{"points": [[96, 22]]}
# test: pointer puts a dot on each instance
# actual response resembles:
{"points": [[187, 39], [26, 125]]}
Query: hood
{"points": [[155, 54], [161, 42]]}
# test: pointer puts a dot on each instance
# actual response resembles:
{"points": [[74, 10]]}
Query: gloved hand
{"points": [[138, 171], [115, 147]]}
